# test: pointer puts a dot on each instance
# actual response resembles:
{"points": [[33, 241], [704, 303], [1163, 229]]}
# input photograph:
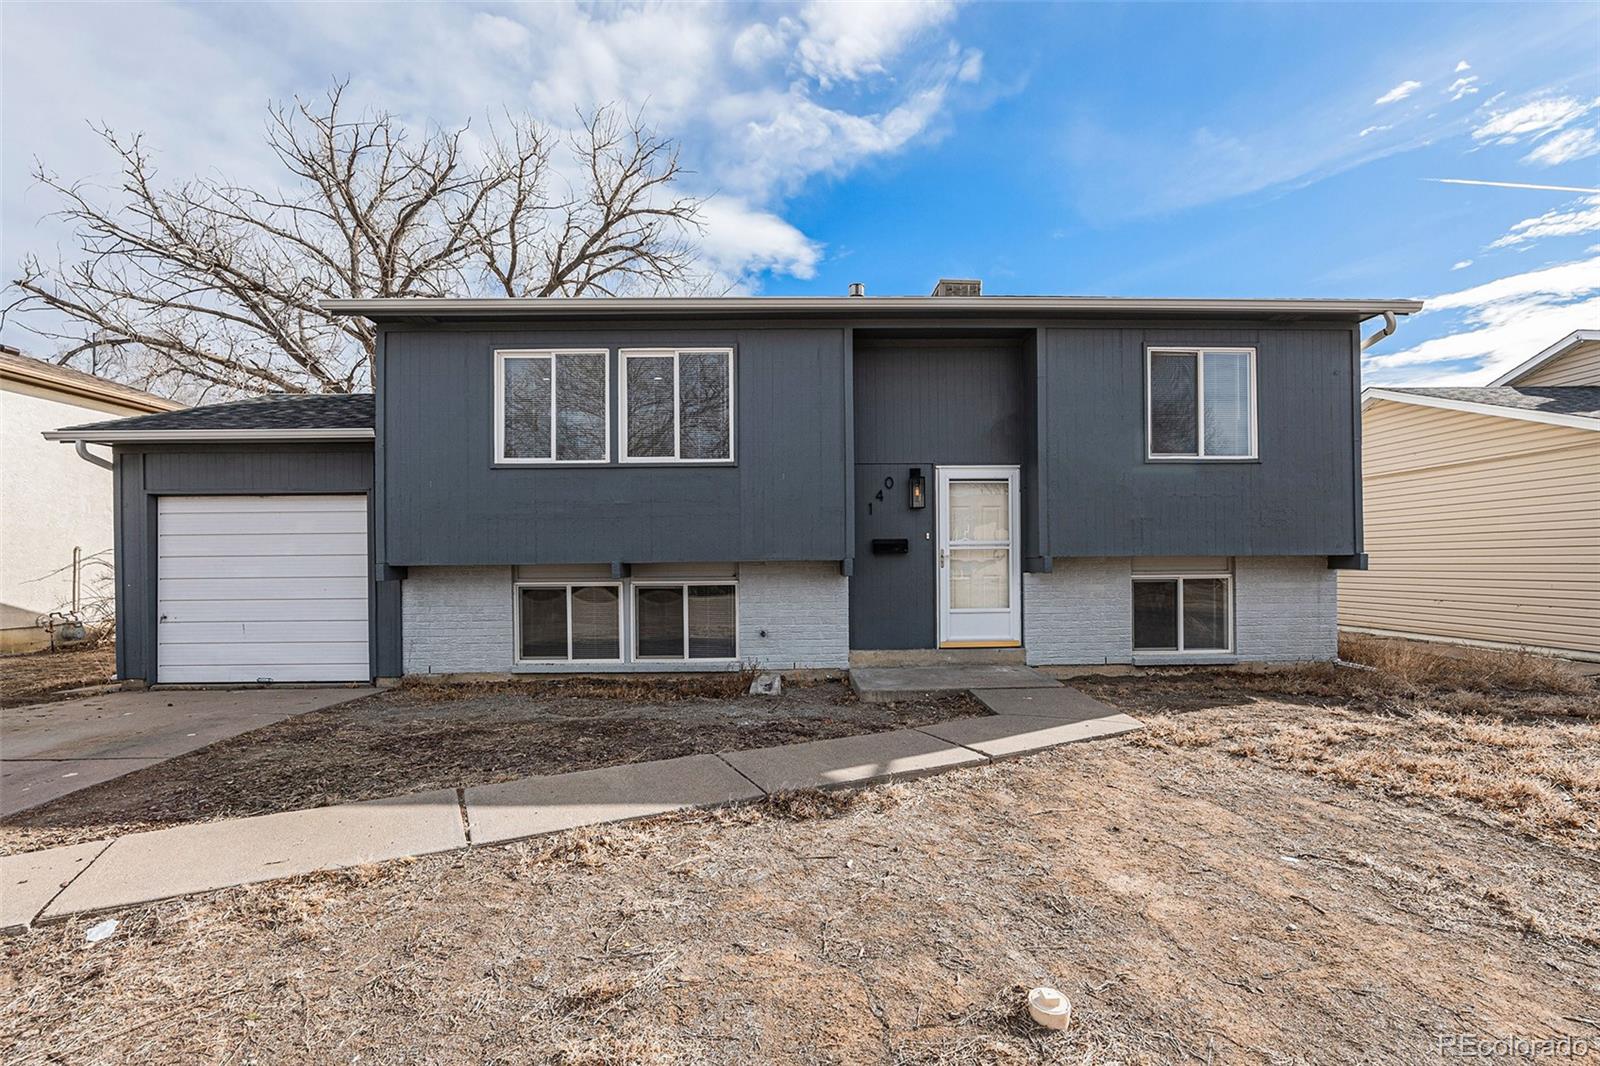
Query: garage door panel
{"points": [[229, 544], [182, 675], [225, 566], [263, 588], [181, 505], [353, 630], [332, 609], [260, 654], [237, 522], [254, 588]]}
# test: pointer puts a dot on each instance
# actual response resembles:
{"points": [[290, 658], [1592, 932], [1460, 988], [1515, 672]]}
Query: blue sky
{"points": [[1195, 150]]}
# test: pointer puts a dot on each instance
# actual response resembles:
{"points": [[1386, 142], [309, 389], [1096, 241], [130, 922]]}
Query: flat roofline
{"points": [[926, 306], [179, 436]]}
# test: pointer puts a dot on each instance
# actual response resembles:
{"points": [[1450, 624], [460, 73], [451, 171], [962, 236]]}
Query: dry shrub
{"points": [[804, 805], [1463, 669]]}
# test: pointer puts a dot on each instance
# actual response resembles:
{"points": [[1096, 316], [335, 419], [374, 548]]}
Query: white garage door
{"points": [[262, 588]]}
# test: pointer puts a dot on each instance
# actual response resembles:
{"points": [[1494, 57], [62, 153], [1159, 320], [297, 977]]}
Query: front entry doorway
{"points": [[979, 571]]}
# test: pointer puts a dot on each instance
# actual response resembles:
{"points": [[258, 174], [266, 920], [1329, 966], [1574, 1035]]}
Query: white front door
{"points": [[980, 575]]}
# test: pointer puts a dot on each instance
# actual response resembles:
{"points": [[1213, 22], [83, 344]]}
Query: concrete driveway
{"points": [[50, 749]]}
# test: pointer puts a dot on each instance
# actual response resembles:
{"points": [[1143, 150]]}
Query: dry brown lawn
{"points": [[42, 675], [1317, 866]]}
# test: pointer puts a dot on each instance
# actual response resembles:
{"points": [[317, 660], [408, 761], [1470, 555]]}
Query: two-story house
{"points": [[698, 483]]}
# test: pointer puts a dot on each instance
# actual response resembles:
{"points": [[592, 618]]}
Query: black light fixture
{"points": [[918, 487]]}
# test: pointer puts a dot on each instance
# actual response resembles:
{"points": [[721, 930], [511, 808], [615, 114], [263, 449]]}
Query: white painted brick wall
{"points": [[457, 619], [1082, 612], [1285, 610], [804, 609], [1286, 607]]}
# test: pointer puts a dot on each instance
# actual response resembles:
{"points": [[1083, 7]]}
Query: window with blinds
{"points": [[1200, 403]]}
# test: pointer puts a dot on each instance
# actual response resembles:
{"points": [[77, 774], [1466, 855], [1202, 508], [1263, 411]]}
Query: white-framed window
{"points": [[677, 405], [685, 620], [570, 622], [552, 406], [1183, 613], [1200, 403]]}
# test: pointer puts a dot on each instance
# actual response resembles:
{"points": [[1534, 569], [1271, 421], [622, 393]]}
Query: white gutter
{"points": [[179, 436], [1389, 326], [82, 448], [560, 307], [1549, 418]]}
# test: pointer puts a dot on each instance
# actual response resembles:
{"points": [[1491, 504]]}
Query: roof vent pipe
{"points": [[857, 289], [1389, 325]]}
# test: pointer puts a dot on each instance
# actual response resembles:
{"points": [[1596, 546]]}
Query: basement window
{"points": [[677, 405], [552, 406], [569, 623], [1200, 403], [1183, 613], [685, 621]]}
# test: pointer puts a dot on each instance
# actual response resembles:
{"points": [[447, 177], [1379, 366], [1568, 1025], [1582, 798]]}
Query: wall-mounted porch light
{"points": [[918, 487]]}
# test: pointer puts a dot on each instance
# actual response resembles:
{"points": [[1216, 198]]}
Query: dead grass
{"points": [[38, 676]]}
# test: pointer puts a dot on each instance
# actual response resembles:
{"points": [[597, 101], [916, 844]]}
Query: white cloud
{"points": [[848, 41], [740, 241], [1461, 264], [1580, 216], [1463, 65], [1564, 147], [1497, 325], [1462, 87], [1373, 129], [1398, 93], [1533, 119]]}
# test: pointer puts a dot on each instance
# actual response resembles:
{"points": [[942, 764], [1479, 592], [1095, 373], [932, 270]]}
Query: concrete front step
{"points": [[939, 657], [886, 684]]}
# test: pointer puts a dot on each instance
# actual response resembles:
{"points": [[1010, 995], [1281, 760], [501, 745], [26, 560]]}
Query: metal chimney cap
{"points": [[857, 289]]}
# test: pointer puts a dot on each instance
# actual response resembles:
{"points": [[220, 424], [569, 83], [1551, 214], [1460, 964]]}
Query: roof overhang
{"points": [[86, 387], [204, 436], [1368, 396], [1575, 339], [426, 309]]}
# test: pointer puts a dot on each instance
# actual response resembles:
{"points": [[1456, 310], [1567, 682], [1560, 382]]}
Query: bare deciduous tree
{"points": [[207, 287]]}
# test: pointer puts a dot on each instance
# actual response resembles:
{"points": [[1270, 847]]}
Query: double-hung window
{"points": [[552, 406], [1183, 613], [1200, 403], [569, 623], [677, 405], [684, 620]]}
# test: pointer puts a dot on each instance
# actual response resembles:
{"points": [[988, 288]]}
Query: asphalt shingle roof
{"points": [[351, 411], [1580, 400]]}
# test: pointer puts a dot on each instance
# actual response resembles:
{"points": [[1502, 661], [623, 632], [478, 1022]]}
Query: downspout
{"points": [[1389, 326], [82, 448]]}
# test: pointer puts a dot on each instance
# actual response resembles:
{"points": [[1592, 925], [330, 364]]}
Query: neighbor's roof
{"points": [[1561, 405], [1575, 339], [342, 417], [14, 366], [415, 309]]}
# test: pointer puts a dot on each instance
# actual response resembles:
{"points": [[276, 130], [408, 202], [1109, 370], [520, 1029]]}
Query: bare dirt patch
{"points": [[1196, 907], [427, 736], [42, 675]]}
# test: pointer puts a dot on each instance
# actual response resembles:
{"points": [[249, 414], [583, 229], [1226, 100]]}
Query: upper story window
{"points": [[552, 406], [677, 405], [1200, 403]]}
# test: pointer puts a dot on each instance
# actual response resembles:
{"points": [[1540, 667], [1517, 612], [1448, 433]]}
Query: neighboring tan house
{"points": [[1483, 509], [54, 507], [649, 484]]}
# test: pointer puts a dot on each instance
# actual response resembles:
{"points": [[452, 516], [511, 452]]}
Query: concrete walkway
{"points": [[146, 867], [50, 749]]}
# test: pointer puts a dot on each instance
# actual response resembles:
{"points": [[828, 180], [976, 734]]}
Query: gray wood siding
{"points": [[146, 472], [446, 503], [1105, 498]]}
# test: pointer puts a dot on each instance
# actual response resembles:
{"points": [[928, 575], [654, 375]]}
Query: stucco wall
{"points": [[458, 619], [1285, 610], [50, 502]]}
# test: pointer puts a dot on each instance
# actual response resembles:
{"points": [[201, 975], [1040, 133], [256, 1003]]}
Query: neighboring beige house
{"points": [[1483, 509], [54, 506]]}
